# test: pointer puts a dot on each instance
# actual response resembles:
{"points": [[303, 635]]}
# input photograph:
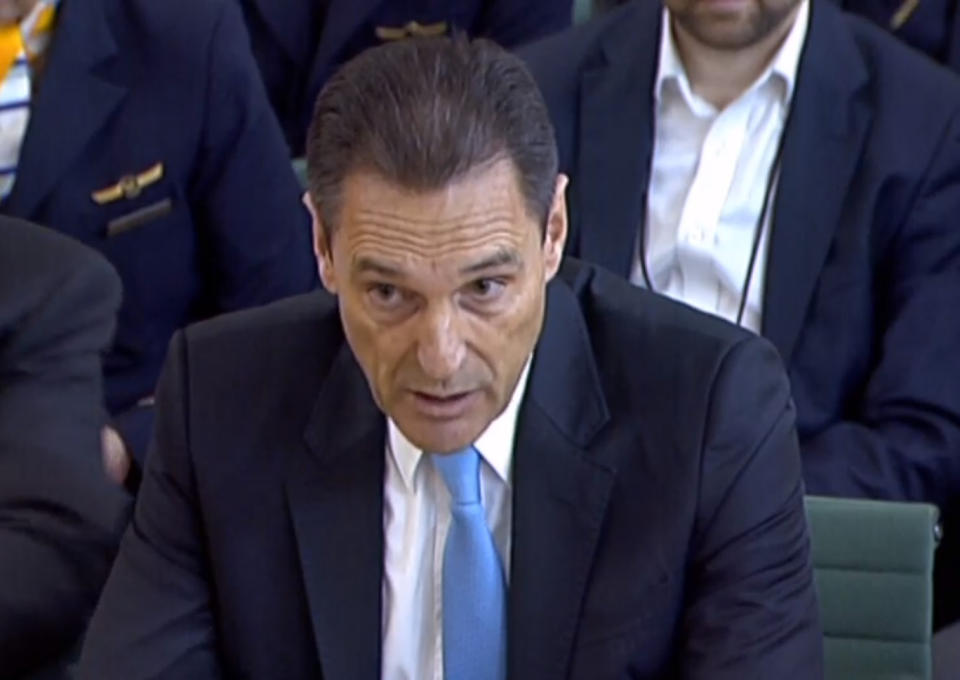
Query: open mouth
{"points": [[443, 406]]}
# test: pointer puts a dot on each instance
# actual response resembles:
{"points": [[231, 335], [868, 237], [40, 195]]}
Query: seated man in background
{"points": [[466, 463], [299, 43], [60, 518], [795, 170], [931, 26], [142, 129]]}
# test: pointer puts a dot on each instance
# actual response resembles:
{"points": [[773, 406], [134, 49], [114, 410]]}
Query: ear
{"points": [[556, 229], [321, 246]]}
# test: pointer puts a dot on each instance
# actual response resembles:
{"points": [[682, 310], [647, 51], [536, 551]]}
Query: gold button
{"points": [[130, 186]]}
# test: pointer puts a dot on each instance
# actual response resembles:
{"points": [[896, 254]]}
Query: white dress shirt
{"points": [[416, 518], [708, 178]]}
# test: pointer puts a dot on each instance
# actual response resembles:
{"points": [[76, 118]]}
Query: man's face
{"points": [[441, 295], [14, 11], [730, 24]]}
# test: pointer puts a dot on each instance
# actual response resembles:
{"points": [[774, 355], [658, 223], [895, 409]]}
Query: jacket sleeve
{"points": [[752, 610], [154, 619]]}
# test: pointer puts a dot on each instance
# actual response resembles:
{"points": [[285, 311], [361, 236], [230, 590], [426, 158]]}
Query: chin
{"points": [[440, 437]]}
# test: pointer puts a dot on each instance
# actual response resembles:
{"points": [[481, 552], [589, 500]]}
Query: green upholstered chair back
{"points": [[873, 564], [582, 10], [300, 170]]}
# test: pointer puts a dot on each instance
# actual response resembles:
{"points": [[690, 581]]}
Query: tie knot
{"points": [[461, 474]]}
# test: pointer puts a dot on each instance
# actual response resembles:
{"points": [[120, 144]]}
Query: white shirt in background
{"points": [[708, 178]]}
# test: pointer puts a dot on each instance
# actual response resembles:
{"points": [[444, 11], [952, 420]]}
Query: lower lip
{"points": [[726, 5], [443, 409]]}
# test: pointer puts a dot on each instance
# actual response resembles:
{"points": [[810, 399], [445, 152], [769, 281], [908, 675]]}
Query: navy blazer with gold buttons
{"points": [[151, 140]]}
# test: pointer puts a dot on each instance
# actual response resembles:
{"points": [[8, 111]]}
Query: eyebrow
{"points": [[367, 265], [500, 258]]}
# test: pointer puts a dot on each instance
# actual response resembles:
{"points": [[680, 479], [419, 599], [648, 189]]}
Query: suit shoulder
{"points": [[278, 338], [273, 323], [624, 317], [654, 355]]}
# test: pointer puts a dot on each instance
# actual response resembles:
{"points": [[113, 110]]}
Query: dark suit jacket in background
{"points": [[59, 517], [132, 83], [933, 27], [657, 504], [863, 275], [300, 43]]}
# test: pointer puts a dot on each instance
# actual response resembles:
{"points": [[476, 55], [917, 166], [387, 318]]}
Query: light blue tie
{"points": [[474, 599]]}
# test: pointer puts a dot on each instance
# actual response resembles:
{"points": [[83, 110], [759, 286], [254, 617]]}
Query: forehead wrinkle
{"points": [[378, 218], [394, 251], [407, 241]]}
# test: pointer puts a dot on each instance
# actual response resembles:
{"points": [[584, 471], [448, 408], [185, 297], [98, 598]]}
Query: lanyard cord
{"points": [[757, 230]]}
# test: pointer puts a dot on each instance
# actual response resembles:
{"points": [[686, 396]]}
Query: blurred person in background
{"points": [[142, 129]]}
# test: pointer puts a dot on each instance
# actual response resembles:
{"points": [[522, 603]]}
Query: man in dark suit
{"points": [[150, 138], [931, 26], [59, 516], [299, 43], [621, 472], [860, 242]]}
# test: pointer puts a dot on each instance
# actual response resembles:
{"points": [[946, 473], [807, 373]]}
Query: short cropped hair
{"points": [[422, 113]]}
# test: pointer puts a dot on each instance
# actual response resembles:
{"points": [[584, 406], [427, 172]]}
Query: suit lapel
{"points": [[822, 149], [69, 83], [560, 495], [616, 140], [335, 495]]}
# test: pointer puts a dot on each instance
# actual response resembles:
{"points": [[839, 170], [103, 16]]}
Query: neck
{"points": [[721, 75]]}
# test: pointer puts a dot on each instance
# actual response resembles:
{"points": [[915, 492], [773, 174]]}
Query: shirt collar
{"points": [[784, 65], [495, 444]]}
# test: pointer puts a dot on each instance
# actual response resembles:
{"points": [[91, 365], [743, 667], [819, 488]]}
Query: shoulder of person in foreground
{"points": [[245, 383], [59, 517]]}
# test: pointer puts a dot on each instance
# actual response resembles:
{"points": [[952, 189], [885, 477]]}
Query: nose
{"points": [[441, 348]]}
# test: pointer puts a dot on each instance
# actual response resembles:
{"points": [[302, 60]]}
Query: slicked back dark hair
{"points": [[423, 113]]}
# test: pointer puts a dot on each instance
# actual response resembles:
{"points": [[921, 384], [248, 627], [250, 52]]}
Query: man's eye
{"points": [[385, 294], [486, 289]]}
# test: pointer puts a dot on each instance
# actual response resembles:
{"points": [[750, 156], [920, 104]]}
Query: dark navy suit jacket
{"points": [[299, 43], [658, 527], [128, 85], [863, 276], [60, 519]]}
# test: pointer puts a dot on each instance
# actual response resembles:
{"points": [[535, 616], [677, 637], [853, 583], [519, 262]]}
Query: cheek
{"points": [[378, 350], [507, 338]]}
